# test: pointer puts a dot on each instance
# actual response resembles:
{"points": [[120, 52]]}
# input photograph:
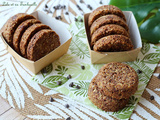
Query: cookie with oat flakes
{"points": [[42, 43], [12, 24]]}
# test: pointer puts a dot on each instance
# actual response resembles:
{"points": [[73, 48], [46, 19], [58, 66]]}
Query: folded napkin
{"points": [[76, 67]]}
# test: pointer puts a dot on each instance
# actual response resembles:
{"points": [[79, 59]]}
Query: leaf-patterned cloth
{"points": [[78, 56]]}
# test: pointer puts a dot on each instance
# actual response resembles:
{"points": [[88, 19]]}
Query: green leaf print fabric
{"points": [[78, 56]]}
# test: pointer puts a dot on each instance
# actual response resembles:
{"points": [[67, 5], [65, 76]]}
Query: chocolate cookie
{"points": [[104, 10], [110, 29], [28, 34], [117, 80], [19, 32], [12, 24], [103, 101], [108, 19], [42, 43], [113, 43]]}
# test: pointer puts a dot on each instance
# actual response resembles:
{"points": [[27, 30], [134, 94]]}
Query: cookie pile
{"points": [[29, 37], [111, 88], [108, 30]]}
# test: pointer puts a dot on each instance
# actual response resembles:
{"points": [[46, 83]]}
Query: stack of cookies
{"points": [[111, 88], [108, 30], [29, 37]]}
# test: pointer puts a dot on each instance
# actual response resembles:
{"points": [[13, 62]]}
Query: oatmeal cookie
{"points": [[28, 34], [110, 29], [12, 24], [19, 32], [104, 10], [113, 43], [42, 43], [117, 80], [108, 19], [103, 101]]}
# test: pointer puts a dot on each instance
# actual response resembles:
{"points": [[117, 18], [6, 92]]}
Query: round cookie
{"points": [[102, 101], [113, 43], [28, 34], [117, 80], [110, 29], [19, 32], [12, 24], [42, 43], [108, 19], [104, 10]]}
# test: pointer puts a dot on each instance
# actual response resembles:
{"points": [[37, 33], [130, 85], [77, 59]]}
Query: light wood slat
{"points": [[20, 117], [11, 114], [4, 106], [6, 109]]}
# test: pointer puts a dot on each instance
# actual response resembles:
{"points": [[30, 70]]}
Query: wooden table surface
{"points": [[9, 113]]}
